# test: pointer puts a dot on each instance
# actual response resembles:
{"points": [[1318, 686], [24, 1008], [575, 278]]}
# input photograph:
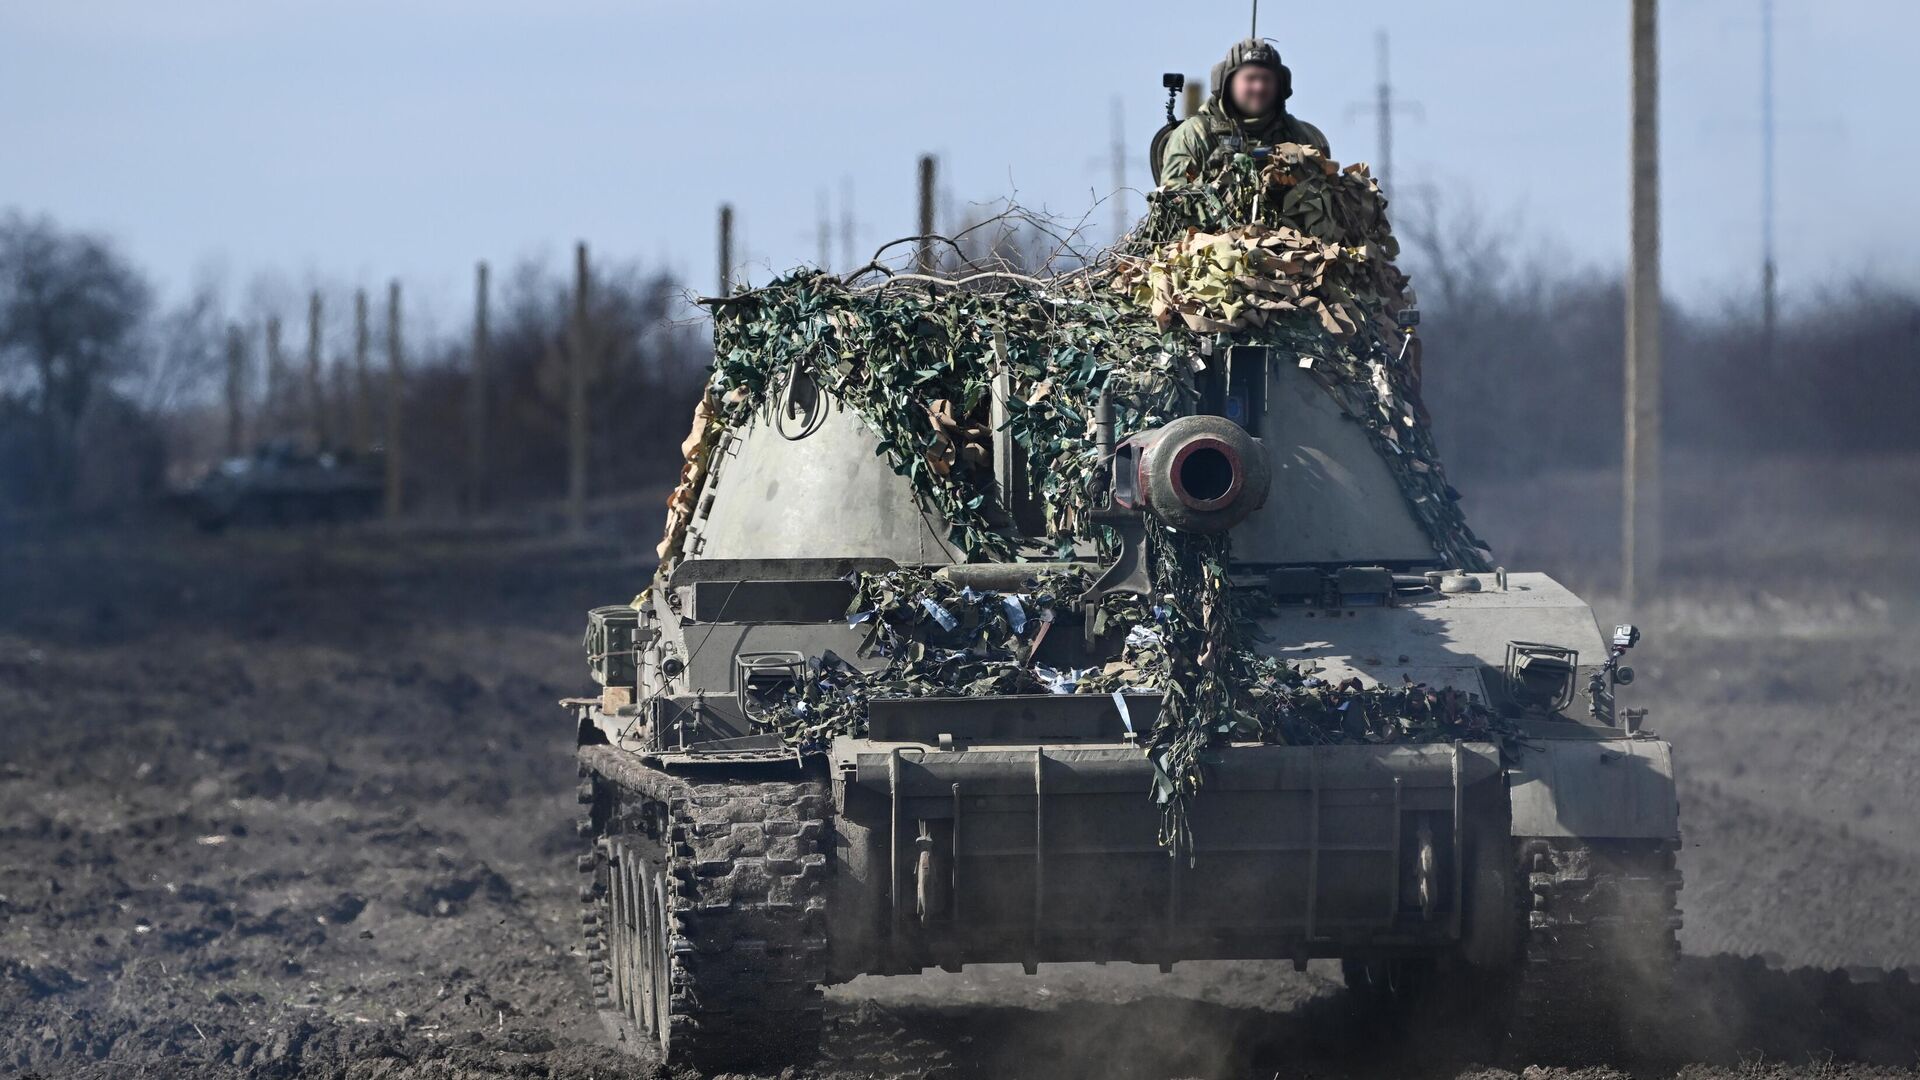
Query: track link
{"points": [[705, 914], [1599, 923]]}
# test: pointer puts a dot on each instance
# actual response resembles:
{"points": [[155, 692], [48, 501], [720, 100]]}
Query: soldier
{"points": [[1248, 108]]}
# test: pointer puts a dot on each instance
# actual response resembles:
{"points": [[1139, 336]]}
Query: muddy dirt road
{"points": [[296, 805]]}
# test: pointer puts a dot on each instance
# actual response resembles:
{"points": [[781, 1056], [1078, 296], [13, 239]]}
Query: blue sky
{"points": [[353, 141]]}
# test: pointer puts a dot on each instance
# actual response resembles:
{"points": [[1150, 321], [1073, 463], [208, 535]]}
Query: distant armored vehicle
{"points": [[282, 485]]}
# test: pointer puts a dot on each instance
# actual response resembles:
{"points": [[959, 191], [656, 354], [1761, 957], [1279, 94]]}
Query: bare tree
{"points": [[1521, 367], [187, 357], [1466, 257], [71, 315]]}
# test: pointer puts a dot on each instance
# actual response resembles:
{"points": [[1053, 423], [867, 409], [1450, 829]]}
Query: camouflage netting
{"points": [[1308, 271], [1291, 252], [941, 639]]}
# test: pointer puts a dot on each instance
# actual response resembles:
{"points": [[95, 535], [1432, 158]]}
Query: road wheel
{"points": [[639, 937]]}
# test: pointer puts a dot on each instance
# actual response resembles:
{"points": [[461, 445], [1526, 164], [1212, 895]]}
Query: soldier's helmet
{"points": [[1251, 52]]}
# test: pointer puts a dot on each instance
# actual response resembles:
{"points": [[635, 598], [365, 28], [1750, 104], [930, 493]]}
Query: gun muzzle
{"points": [[1201, 474]]}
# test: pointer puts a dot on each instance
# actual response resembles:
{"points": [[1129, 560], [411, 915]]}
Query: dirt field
{"points": [[300, 805]]}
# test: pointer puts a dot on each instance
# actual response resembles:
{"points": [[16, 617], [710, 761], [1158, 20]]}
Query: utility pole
{"points": [[1769, 298], [477, 392], [339, 391], [1385, 116], [362, 382], [824, 237], [726, 249], [1117, 153], [276, 377], [1640, 532], [316, 399], [847, 263], [923, 251], [236, 391], [396, 395], [577, 358], [1384, 108]]}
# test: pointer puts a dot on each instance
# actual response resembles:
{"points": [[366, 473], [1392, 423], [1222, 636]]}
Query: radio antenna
{"points": [[1254, 30]]}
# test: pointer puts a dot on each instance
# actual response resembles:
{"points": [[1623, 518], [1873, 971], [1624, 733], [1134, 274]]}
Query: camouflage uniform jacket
{"points": [[1194, 142]]}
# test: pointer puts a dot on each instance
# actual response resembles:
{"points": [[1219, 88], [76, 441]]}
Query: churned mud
{"points": [[278, 805]]}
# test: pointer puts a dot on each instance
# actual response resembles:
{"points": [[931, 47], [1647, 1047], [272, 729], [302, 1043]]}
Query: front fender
{"points": [[1595, 789]]}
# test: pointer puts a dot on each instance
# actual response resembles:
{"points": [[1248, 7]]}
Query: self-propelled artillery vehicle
{"points": [[790, 780], [729, 877]]}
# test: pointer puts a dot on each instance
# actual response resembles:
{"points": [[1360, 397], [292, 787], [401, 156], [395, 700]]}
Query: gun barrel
{"points": [[1200, 474]]}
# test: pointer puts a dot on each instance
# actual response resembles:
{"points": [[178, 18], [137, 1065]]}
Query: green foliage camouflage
{"points": [[1291, 252], [940, 639], [1313, 278]]}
